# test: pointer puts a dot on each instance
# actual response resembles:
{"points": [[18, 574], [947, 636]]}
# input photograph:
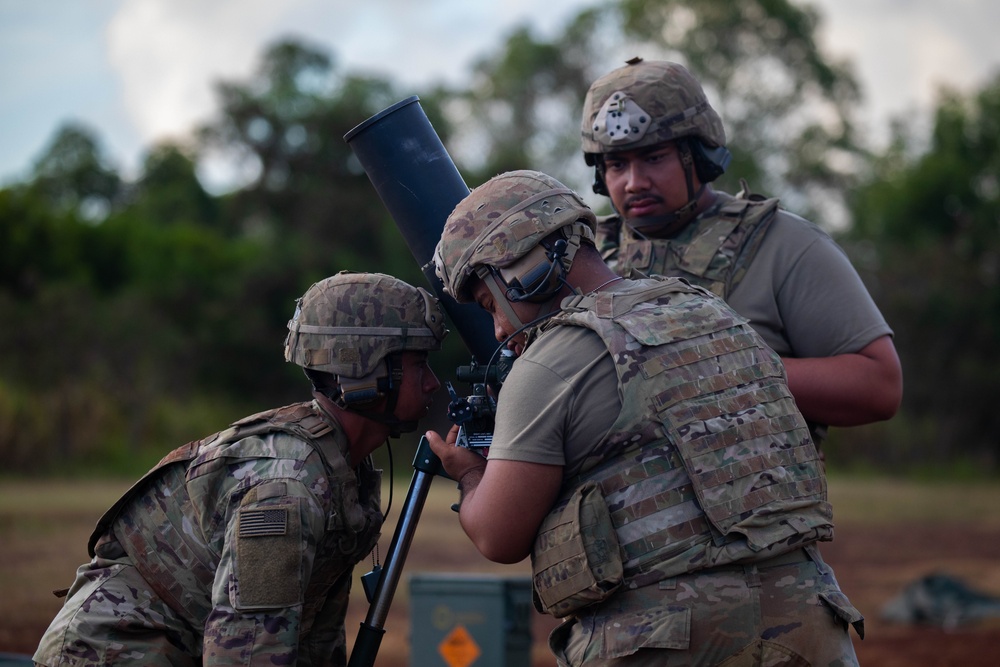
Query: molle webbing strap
{"points": [[694, 353], [697, 256], [703, 386], [652, 503], [606, 305], [689, 411]]}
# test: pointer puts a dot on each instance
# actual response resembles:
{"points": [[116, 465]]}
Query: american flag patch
{"points": [[260, 523]]}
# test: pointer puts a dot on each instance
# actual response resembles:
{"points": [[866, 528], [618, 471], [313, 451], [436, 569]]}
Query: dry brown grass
{"points": [[889, 533]]}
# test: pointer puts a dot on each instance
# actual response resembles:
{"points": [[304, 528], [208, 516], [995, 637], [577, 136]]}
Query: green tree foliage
{"points": [[288, 124], [169, 191], [927, 222], [787, 107], [74, 175], [309, 200], [523, 106], [150, 312], [110, 321]]}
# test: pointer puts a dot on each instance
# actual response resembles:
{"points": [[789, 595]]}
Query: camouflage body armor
{"points": [[714, 251], [175, 556], [708, 464]]}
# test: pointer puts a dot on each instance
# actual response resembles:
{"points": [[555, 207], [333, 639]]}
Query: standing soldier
{"points": [[239, 548], [648, 454], [656, 144]]}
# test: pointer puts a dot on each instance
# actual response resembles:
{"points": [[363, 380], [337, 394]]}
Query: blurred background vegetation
{"points": [[139, 312]]}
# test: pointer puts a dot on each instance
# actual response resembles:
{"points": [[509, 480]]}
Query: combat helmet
{"points": [[505, 227], [644, 104], [347, 325]]}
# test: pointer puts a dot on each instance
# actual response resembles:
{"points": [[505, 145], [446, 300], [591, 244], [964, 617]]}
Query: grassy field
{"points": [[889, 533]]}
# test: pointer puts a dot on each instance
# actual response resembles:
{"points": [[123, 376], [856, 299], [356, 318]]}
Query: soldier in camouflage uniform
{"points": [[656, 144], [647, 455], [239, 548]]}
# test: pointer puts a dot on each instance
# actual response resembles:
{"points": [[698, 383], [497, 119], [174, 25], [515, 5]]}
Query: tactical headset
{"points": [[536, 276], [353, 393], [364, 391]]}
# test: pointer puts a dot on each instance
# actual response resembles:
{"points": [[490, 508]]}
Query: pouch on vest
{"points": [[576, 560]]}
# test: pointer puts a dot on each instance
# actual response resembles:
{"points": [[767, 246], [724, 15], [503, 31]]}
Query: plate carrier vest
{"points": [[353, 523], [714, 251], [709, 462]]}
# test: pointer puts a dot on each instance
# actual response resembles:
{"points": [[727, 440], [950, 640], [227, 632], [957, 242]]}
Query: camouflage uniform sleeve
{"points": [[608, 238], [270, 543], [326, 643]]}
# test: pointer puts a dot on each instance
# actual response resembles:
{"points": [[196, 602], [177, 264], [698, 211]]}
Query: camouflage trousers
{"points": [[791, 615], [123, 623]]}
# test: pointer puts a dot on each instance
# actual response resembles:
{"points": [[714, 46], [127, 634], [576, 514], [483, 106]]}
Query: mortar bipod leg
{"points": [[426, 465]]}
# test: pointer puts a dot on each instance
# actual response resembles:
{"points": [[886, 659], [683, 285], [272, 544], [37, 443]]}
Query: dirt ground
{"points": [[888, 535]]}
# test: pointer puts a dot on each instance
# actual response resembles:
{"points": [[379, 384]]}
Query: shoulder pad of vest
{"points": [[749, 209], [745, 194], [301, 414]]}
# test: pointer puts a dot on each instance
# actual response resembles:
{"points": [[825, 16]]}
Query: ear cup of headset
{"points": [[363, 391], [709, 163], [534, 277]]}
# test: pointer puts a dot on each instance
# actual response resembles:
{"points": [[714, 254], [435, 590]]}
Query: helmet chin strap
{"points": [[396, 425], [499, 293], [387, 417]]}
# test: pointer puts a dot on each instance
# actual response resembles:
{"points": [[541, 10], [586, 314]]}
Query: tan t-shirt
{"points": [[558, 402], [801, 292], [803, 296]]}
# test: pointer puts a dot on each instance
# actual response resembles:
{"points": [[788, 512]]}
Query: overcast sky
{"points": [[141, 70]]}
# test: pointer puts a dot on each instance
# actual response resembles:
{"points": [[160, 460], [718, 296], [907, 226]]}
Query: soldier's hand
{"points": [[457, 461]]}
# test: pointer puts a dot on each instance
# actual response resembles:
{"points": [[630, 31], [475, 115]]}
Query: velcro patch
{"points": [[263, 522]]}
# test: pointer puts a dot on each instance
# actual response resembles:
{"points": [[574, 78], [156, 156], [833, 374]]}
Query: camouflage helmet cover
{"points": [[644, 104], [347, 323], [502, 220]]}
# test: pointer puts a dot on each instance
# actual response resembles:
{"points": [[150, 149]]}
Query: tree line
{"points": [[143, 312]]}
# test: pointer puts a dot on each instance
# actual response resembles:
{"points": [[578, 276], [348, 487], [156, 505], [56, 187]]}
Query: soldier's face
{"points": [[503, 329], [416, 388], [646, 182]]}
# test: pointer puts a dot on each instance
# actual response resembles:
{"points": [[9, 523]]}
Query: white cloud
{"points": [[169, 53], [149, 72], [943, 60], [905, 50]]}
